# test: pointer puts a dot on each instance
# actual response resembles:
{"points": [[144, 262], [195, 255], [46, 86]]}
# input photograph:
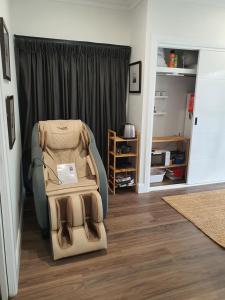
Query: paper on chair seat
{"points": [[67, 173]]}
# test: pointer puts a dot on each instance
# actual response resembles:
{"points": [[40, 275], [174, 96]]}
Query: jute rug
{"points": [[206, 210]]}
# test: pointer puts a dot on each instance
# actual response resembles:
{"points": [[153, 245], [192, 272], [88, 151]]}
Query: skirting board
{"points": [[19, 238], [14, 291], [168, 187], [180, 186], [141, 188]]}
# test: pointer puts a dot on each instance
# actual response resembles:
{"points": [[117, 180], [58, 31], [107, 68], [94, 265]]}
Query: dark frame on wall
{"points": [[135, 77], [4, 42], [10, 120]]}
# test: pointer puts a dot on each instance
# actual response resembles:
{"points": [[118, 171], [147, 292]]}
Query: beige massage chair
{"points": [[75, 209]]}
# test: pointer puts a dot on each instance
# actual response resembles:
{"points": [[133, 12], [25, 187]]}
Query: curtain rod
{"points": [[70, 42]]}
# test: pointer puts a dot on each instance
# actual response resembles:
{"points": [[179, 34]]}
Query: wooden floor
{"points": [[153, 253]]}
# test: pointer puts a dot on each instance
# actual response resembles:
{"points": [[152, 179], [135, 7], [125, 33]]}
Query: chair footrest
{"points": [[80, 244], [76, 222]]}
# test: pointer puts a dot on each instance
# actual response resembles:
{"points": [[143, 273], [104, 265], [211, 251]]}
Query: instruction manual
{"points": [[67, 173]]}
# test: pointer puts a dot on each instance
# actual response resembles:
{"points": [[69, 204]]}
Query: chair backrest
{"points": [[60, 134], [64, 141]]}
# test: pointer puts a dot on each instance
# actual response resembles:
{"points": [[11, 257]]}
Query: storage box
{"points": [[157, 175]]}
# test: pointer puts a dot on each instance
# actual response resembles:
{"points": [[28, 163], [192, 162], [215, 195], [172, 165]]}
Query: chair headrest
{"points": [[60, 134]]}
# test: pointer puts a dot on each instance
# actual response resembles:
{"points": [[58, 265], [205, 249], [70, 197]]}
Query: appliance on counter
{"points": [[128, 131], [160, 158]]}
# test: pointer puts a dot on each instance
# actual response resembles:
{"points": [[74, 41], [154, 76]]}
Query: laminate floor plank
{"points": [[153, 253]]}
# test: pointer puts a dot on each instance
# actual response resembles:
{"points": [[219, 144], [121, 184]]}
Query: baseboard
{"points": [[19, 238], [141, 188], [18, 242], [181, 186], [167, 187]]}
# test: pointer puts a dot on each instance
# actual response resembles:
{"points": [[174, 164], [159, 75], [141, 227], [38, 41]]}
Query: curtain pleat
{"points": [[71, 80]]}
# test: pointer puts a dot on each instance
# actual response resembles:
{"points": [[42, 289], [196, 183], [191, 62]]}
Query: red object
{"points": [[172, 57], [178, 172], [191, 103]]}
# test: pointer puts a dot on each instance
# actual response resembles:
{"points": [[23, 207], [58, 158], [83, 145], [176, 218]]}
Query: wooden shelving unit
{"points": [[183, 143], [170, 166], [168, 139], [114, 143]]}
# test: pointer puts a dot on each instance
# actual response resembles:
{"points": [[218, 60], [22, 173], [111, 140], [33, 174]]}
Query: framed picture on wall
{"points": [[4, 43], [135, 77], [10, 120]]}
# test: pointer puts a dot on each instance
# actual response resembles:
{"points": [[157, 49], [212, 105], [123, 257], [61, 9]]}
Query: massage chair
{"points": [[72, 212]]}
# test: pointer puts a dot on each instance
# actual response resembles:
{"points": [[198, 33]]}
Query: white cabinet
{"points": [[207, 153], [212, 64]]}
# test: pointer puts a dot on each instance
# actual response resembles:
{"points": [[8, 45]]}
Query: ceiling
{"points": [[129, 4], [114, 4], [218, 3]]}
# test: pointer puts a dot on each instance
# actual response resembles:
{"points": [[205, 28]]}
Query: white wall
{"points": [[138, 22], [177, 89], [139, 41], [199, 21], [11, 159], [64, 20]]}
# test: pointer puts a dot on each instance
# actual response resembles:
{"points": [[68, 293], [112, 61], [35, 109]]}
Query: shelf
{"points": [[161, 97], [117, 187], [160, 113], [167, 181], [122, 170], [175, 71], [167, 139], [120, 139], [170, 166], [125, 187], [123, 155]]}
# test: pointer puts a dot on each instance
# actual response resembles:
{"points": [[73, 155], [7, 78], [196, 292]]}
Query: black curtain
{"points": [[60, 79]]}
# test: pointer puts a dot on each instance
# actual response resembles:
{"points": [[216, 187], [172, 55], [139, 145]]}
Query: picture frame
{"points": [[135, 77], [11, 120], [4, 43]]}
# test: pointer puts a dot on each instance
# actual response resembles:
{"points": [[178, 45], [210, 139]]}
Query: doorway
{"points": [[173, 115]]}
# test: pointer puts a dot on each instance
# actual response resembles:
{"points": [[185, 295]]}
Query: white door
{"points": [[207, 153]]}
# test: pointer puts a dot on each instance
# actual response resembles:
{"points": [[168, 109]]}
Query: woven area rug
{"points": [[206, 210]]}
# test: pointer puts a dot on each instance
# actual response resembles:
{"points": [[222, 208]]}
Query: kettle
{"points": [[128, 131]]}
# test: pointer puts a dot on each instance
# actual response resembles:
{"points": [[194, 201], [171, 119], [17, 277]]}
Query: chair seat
{"points": [[83, 185]]}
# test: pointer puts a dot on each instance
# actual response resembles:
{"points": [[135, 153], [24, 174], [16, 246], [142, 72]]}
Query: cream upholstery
{"points": [[84, 219], [81, 244], [65, 142], [75, 210]]}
